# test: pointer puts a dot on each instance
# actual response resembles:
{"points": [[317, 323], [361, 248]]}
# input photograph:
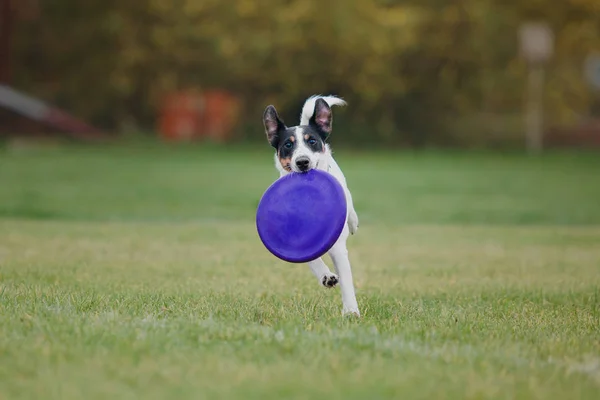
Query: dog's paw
{"points": [[351, 313], [329, 280]]}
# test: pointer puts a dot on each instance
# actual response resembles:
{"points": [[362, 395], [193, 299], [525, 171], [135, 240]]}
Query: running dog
{"points": [[300, 149]]}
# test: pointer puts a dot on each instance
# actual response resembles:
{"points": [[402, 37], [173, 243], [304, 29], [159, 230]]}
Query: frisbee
{"points": [[301, 215]]}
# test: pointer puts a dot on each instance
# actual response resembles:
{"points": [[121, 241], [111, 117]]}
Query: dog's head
{"points": [[299, 148]]}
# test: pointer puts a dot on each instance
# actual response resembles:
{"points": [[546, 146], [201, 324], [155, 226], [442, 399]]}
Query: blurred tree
{"points": [[413, 71]]}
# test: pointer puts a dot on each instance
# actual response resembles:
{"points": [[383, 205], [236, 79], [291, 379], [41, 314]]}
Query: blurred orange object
{"points": [[180, 115], [191, 115]]}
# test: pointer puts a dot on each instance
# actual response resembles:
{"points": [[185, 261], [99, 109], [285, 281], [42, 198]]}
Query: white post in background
{"points": [[537, 45], [534, 115]]}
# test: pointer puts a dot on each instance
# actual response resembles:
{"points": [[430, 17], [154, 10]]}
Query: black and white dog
{"points": [[304, 147]]}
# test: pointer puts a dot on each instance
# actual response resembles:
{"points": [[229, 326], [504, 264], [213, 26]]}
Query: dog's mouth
{"points": [[301, 170]]}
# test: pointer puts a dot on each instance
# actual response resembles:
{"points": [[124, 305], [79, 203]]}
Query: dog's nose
{"points": [[302, 163]]}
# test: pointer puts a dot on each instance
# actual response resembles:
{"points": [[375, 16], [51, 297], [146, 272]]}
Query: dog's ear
{"points": [[273, 125], [322, 118]]}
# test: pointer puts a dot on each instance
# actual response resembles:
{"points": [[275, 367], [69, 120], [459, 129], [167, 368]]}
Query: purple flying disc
{"points": [[301, 215]]}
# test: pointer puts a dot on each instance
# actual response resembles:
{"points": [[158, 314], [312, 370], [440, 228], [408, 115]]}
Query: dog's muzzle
{"points": [[303, 163]]}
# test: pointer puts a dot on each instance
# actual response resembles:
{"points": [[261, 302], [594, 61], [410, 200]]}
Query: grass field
{"points": [[136, 272]]}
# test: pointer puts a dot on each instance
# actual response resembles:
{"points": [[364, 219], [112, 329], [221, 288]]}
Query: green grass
{"points": [[137, 273]]}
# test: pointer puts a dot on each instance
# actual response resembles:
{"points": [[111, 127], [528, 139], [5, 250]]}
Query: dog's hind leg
{"points": [[339, 255], [322, 272]]}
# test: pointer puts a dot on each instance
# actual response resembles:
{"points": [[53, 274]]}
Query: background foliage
{"points": [[425, 71]]}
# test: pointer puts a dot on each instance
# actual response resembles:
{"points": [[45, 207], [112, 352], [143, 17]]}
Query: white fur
{"points": [[302, 150], [339, 252], [309, 106]]}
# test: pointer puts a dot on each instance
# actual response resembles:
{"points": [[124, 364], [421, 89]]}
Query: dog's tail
{"points": [[309, 106]]}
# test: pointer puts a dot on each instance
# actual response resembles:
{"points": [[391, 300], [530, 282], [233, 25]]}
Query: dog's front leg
{"points": [[352, 217], [341, 261], [352, 221]]}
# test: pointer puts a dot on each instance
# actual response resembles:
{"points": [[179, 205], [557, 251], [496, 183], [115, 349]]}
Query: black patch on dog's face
{"points": [[312, 139], [285, 149]]}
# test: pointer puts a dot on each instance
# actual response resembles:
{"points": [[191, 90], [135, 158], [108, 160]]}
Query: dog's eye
{"points": [[288, 145], [312, 141]]}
